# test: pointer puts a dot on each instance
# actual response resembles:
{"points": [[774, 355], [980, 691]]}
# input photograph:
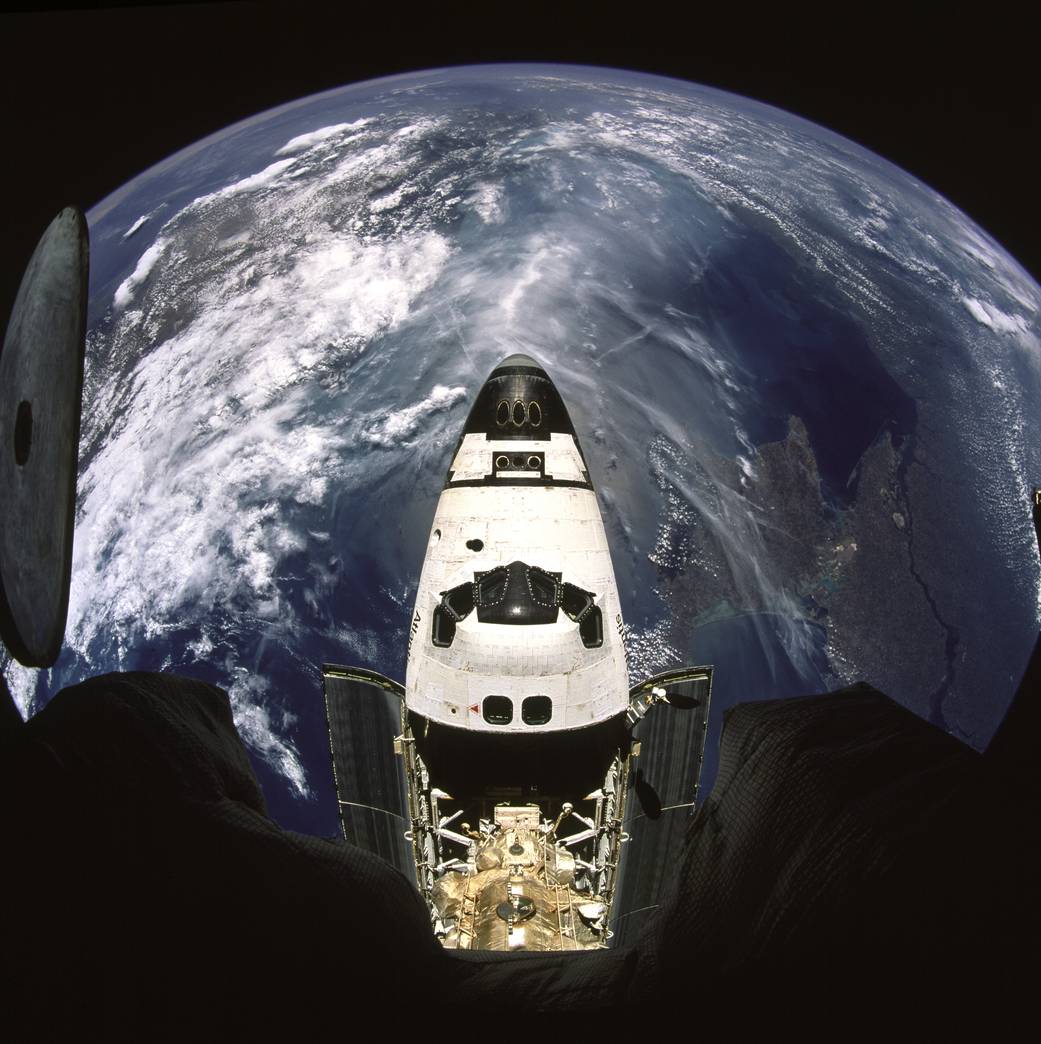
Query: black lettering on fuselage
{"points": [[621, 638]]}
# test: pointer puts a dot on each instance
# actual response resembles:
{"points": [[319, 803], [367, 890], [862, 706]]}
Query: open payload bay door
{"points": [[363, 710], [669, 715]]}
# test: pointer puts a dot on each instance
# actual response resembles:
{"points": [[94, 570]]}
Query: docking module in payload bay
{"points": [[537, 800]]}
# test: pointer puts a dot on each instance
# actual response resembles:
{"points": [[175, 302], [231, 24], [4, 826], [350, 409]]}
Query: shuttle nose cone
{"points": [[519, 401], [518, 360]]}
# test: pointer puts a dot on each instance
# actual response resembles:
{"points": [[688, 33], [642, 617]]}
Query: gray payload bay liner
{"points": [[536, 799]]}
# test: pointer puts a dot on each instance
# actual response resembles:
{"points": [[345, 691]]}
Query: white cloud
{"points": [[395, 428], [21, 682], [209, 443], [388, 201], [145, 263], [306, 141], [136, 225], [261, 178], [488, 201], [993, 318], [253, 722]]}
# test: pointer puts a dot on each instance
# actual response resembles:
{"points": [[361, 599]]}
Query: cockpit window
{"points": [[574, 601], [492, 587], [517, 594], [442, 632], [455, 605], [591, 628], [578, 605], [542, 586], [511, 595], [460, 600]]}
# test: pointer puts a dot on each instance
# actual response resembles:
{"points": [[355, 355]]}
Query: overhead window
{"points": [[502, 414], [519, 413], [534, 414], [498, 710], [536, 710]]}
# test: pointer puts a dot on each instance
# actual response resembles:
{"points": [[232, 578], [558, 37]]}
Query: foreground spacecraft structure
{"points": [[537, 799]]}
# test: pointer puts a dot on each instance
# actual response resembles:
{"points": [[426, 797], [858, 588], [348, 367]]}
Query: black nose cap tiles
{"points": [[519, 401]]}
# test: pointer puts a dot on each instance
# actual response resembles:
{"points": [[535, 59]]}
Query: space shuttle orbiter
{"points": [[517, 776]]}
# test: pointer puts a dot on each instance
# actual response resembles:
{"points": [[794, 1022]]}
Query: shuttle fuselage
{"points": [[517, 624], [516, 731]]}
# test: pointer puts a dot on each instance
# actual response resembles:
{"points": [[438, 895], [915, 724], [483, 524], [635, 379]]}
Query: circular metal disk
{"points": [[41, 380], [520, 910]]}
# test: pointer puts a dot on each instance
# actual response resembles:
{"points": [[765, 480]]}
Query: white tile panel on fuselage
{"points": [[495, 511]]}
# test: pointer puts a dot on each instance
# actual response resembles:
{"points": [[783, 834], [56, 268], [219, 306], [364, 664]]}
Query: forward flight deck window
{"points": [[574, 601], [492, 586], [578, 605], [517, 594], [455, 605], [543, 586], [591, 628], [443, 628]]}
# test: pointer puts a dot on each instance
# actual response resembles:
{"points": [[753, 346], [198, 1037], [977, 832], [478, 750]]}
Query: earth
{"points": [[802, 380]]}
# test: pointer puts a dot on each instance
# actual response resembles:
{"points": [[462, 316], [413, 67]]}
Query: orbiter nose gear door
{"points": [[363, 710], [669, 718]]}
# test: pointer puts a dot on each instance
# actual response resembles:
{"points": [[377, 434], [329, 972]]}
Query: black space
{"points": [[95, 95]]}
